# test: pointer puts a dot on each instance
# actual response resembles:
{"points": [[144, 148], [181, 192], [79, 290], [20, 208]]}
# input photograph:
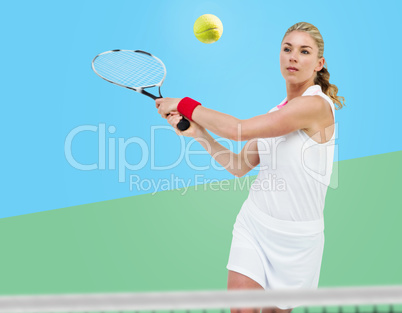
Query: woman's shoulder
{"points": [[316, 92]]}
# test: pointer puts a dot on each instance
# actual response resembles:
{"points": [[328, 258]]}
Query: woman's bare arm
{"points": [[237, 164]]}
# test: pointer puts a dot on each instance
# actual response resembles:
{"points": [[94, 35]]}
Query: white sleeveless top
{"points": [[295, 172]]}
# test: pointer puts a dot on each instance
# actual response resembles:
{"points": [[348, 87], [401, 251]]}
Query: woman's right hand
{"points": [[194, 130]]}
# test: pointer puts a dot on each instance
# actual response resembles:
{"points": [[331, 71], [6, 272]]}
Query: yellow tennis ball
{"points": [[208, 28]]}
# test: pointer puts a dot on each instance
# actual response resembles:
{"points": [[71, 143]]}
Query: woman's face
{"points": [[299, 58]]}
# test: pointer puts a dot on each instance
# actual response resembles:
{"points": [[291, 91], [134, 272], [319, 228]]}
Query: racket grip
{"points": [[183, 124]]}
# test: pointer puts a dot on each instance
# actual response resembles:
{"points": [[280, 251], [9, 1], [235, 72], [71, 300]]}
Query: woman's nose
{"points": [[293, 57]]}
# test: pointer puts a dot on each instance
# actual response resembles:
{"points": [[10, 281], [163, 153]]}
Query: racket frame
{"points": [[137, 89]]}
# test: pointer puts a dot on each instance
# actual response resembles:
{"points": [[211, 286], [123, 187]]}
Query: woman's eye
{"points": [[303, 51]]}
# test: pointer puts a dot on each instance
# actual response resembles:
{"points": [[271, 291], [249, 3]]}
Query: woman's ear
{"points": [[320, 64]]}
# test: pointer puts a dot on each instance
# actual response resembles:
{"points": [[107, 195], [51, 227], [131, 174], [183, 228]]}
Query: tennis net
{"points": [[380, 299]]}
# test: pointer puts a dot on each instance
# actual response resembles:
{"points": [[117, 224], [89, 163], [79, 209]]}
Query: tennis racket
{"points": [[135, 70]]}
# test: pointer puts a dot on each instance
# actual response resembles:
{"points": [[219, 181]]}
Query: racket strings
{"points": [[129, 68], [141, 66], [133, 69]]}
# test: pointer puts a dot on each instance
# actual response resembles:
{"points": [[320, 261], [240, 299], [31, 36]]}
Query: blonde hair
{"points": [[322, 77]]}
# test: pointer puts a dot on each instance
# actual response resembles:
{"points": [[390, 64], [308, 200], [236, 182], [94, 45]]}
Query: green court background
{"points": [[170, 241]]}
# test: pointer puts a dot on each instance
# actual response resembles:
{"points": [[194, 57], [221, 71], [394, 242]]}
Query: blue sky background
{"points": [[49, 89]]}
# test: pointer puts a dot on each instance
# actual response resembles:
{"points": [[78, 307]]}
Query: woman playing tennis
{"points": [[278, 237]]}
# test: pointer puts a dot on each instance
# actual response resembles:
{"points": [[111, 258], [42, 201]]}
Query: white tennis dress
{"points": [[278, 237]]}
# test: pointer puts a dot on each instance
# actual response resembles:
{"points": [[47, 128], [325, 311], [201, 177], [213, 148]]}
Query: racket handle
{"points": [[183, 124]]}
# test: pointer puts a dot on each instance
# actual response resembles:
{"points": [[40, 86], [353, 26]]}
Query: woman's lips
{"points": [[292, 69]]}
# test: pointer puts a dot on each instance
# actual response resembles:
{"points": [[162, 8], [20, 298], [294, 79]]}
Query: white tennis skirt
{"points": [[277, 254]]}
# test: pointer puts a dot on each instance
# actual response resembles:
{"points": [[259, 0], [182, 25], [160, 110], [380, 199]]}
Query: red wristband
{"points": [[186, 107]]}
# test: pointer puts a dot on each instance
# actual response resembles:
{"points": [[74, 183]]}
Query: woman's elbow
{"points": [[239, 173]]}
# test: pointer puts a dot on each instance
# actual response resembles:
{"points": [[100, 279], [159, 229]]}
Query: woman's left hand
{"points": [[166, 105]]}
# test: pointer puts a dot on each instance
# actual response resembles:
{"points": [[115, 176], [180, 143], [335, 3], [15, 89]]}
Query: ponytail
{"points": [[329, 89]]}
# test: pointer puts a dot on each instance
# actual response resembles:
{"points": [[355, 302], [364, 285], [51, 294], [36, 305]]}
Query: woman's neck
{"points": [[296, 90]]}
